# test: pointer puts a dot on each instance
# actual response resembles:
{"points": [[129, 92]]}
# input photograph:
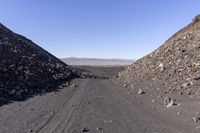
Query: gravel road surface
{"points": [[94, 106]]}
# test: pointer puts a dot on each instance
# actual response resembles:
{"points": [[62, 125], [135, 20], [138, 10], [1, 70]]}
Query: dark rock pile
{"points": [[26, 69], [175, 65]]}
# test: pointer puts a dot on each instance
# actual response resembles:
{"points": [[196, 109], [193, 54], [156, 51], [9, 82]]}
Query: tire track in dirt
{"points": [[58, 122]]}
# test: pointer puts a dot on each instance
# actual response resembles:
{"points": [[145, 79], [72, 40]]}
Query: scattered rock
{"points": [[30, 131], [74, 85], [125, 85], [153, 101], [85, 130], [180, 93], [189, 92], [140, 92], [184, 85], [168, 102], [196, 119], [99, 128], [161, 65], [26, 69], [172, 65], [197, 78], [172, 103]]}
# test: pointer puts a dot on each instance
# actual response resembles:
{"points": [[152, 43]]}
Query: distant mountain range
{"points": [[96, 61]]}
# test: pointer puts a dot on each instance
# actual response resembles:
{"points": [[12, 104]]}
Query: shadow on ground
{"points": [[55, 86]]}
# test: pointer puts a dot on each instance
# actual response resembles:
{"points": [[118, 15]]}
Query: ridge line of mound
{"points": [[175, 65], [26, 69]]}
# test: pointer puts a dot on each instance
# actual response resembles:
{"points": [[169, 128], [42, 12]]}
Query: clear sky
{"points": [[98, 28]]}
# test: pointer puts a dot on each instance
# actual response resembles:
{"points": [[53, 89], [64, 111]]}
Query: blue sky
{"points": [[126, 29]]}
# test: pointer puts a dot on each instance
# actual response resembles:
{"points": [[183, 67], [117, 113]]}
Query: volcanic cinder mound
{"points": [[25, 68], [175, 65]]}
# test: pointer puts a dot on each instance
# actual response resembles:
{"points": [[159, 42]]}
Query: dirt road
{"points": [[94, 106]]}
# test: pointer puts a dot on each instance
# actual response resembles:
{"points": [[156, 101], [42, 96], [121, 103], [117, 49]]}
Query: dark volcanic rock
{"points": [[175, 65], [25, 68]]}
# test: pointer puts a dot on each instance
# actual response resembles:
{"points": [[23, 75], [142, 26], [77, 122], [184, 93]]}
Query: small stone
{"points": [[30, 131], [74, 85], [180, 93], [125, 85], [140, 92], [189, 92], [85, 130], [184, 37], [153, 101], [161, 65], [196, 119], [167, 100], [185, 85], [197, 78], [172, 103], [166, 92], [99, 128]]}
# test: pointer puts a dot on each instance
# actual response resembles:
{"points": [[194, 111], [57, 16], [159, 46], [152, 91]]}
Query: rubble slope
{"points": [[26, 68], [175, 65]]}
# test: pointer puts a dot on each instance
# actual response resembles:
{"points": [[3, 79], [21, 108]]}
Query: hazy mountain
{"points": [[97, 62]]}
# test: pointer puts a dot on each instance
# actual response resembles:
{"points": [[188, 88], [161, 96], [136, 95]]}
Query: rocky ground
{"points": [[26, 69], [170, 76], [176, 63], [98, 106], [158, 93], [175, 66]]}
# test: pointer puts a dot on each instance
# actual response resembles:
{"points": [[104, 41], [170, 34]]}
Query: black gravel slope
{"points": [[26, 68]]}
